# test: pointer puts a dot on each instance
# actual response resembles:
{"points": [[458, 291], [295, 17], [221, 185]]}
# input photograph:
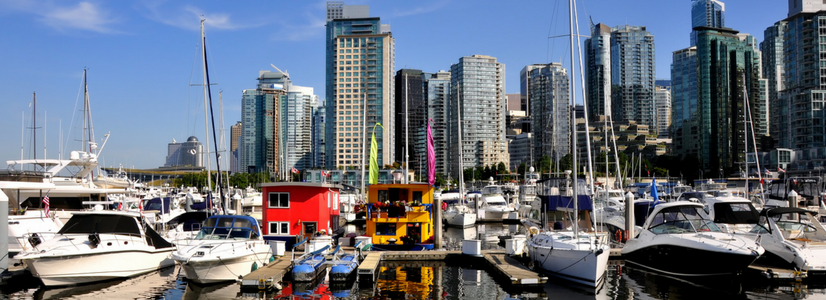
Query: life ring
{"points": [[618, 236], [534, 230]]}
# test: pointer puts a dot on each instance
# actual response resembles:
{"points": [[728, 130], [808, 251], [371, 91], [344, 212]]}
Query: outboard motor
{"points": [[94, 240]]}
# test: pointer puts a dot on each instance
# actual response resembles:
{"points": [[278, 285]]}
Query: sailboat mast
{"points": [[364, 149], [573, 120], [206, 100], [406, 130], [590, 174], [459, 128], [34, 126], [212, 120]]}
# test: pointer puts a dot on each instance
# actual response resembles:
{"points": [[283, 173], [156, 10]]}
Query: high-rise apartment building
{"points": [[662, 98], [621, 74], [411, 118], [792, 64], [296, 128], [235, 132], [549, 98], [728, 65], [707, 13], [261, 122], [319, 115], [360, 58], [438, 88], [478, 87]]}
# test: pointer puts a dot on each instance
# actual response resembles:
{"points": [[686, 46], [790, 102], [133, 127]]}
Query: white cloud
{"points": [[313, 27], [188, 17], [420, 10], [84, 15]]}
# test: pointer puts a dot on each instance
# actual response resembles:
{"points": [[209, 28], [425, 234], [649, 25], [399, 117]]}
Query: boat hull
{"points": [[584, 267], [669, 259], [62, 270], [462, 219], [343, 271], [220, 269]]}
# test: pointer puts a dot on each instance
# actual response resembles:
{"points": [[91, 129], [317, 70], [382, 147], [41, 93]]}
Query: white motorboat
{"points": [[526, 203], [226, 248], [98, 245], [793, 239], [676, 231], [460, 215], [492, 206], [733, 214]]}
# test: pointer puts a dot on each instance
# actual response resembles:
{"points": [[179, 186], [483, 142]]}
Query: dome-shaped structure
{"points": [[192, 139]]}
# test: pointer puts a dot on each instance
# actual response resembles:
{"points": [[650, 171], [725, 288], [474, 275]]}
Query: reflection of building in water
{"points": [[405, 282]]}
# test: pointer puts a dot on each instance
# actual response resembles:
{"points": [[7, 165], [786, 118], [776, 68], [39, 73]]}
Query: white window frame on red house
{"points": [[278, 226], [277, 194]]}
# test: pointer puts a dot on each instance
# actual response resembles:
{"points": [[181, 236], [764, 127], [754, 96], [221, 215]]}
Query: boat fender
{"points": [[272, 258], [618, 236], [254, 266]]}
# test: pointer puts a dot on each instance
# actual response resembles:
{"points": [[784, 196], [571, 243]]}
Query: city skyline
{"points": [[143, 56]]}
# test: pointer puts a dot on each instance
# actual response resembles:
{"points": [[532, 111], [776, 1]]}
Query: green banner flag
{"points": [[374, 153]]}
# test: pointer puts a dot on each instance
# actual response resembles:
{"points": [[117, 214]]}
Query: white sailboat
{"points": [[459, 213], [579, 257]]}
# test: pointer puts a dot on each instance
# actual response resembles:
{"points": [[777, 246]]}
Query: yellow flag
{"points": [[374, 153]]}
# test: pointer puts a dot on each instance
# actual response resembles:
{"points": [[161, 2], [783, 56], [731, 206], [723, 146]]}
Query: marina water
{"points": [[432, 280]]}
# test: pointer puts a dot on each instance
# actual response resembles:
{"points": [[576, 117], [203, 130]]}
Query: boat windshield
{"points": [[489, 190], [227, 227], [681, 219], [792, 225]]}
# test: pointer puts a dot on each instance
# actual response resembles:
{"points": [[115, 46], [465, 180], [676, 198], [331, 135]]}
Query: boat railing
{"points": [[95, 240], [298, 244]]}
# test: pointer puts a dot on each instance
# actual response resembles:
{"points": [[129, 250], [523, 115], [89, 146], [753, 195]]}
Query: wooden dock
{"points": [[268, 277], [368, 270], [512, 269], [503, 266]]}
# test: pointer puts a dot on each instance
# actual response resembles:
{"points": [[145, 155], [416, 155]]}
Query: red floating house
{"points": [[298, 209]]}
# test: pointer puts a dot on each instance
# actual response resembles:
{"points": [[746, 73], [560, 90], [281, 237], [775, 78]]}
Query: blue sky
{"points": [[143, 56]]}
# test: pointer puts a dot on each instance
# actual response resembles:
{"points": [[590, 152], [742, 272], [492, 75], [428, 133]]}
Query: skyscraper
{"points": [[621, 74], [235, 132], [662, 98], [706, 13], [411, 111], [792, 64], [724, 60], [261, 123], [478, 91], [548, 95], [360, 55], [296, 128], [438, 109]]}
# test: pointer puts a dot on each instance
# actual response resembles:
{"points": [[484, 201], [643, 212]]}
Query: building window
{"points": [[335, 201], [279, 228], [385, 228], [278, 200]]}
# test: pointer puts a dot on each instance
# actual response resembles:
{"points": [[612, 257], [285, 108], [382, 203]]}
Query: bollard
{"points": [[629, 215]]}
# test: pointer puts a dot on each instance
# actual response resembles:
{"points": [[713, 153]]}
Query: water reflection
{"points": [[432, 280]]}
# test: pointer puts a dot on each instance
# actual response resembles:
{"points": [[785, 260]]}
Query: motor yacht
{"points": [[98, 245], [226, 248]]}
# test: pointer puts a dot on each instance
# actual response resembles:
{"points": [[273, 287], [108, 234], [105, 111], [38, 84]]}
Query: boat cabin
{"points": [[399, 214], [293, 210], [224, 227]]}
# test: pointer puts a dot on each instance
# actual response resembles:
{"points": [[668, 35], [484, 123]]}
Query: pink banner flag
{"points": [[431, 156]]}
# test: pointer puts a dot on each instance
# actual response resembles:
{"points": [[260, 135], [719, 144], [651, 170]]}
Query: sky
{"points": [[144, 66]]}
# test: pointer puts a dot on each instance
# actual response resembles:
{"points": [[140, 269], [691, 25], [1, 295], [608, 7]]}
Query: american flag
{"points": [[46, 203]]}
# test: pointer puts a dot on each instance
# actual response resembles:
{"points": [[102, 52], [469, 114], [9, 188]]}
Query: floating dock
{"points": [[268, 277], [503, 266]]}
